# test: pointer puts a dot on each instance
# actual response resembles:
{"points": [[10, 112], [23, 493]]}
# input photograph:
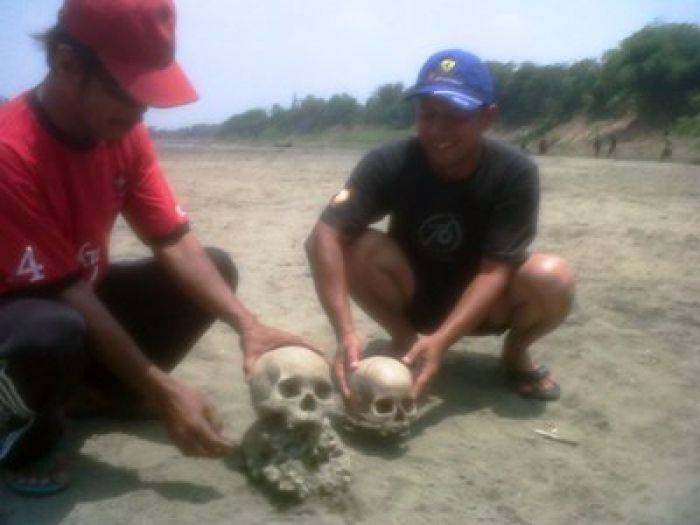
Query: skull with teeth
{"points": [[381, 387], [295, 383]]}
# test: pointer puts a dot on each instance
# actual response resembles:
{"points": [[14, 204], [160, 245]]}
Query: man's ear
{"points": [[489, 115]]}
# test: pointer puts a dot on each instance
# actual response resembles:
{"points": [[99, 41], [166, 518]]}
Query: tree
{"points": [[249, 124], [342, 110], [388, 107], [308, 116], [656, 70]]}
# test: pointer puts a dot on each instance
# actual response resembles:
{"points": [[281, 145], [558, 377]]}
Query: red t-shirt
{"points": [[59, 199]]}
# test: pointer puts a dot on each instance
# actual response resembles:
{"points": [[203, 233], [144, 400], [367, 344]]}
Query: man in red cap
{"points": [[73, 155]]}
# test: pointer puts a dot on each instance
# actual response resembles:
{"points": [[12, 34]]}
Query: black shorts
{"points": [[437, 290]]}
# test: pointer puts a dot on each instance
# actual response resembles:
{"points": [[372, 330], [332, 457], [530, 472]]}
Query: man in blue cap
{"points": [[455, 261]]}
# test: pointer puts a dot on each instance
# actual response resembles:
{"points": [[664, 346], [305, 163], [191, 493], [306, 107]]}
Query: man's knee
{"points": [[376, 255], [48, 325], [551, 278], [223, 262], [365, 250]]}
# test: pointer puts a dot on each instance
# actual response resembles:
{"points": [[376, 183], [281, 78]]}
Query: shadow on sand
{"points": [[97, 480]]}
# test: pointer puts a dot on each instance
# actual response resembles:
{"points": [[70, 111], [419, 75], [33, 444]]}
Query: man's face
{"points": [[107, 112], [450, 136]]}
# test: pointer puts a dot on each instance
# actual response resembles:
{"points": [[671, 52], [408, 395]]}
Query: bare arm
{"points": [[470, 311], [324, 248], [475, 303], [191, 267], [188, 415]]}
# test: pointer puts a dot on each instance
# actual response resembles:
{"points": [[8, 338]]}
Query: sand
{"points": [[627, 359]]}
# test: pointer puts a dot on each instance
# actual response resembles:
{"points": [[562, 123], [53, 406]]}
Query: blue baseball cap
{"points": [[457, 76]]}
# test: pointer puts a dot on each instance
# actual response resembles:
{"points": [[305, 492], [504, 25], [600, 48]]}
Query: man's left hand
{"points": [[260, 338], [424, 358]]}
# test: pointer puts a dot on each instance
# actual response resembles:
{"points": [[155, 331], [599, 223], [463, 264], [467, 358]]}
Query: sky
{"points": [[246, 54]]}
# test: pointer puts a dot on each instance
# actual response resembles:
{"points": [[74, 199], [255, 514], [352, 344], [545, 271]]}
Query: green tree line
{"points": [[654, 73]]}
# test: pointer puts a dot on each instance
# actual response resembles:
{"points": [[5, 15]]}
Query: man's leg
{"points": [[537, 300], [42, 358], [382, 283], [158, 315]]}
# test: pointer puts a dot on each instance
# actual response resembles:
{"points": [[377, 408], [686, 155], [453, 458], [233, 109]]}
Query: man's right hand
{"points": [[192, 422], [347, 358]]}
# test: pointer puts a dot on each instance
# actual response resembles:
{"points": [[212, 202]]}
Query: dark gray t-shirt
{"points": [[441, 225]]}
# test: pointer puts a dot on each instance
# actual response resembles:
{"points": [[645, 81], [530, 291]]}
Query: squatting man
{"points": [[455, 262]]}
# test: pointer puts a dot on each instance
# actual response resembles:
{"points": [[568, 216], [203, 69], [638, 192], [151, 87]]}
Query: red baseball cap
{"points": [[135, 40]]}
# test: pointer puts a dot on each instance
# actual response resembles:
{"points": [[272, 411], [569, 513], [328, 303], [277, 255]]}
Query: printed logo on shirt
{"points": [[89, 258], [30, 267], [341, 197], [440, 234]]}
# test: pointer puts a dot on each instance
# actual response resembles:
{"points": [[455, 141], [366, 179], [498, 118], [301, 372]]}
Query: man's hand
{"points": [[347, 358], [425, 358], [258, 338], [192, 422]]}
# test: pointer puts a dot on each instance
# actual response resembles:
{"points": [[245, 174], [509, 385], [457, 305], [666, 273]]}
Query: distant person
{"points": [[542, 146], [523, 147], [667, 151], [73, 155], [612, 146], [597, 145], [455, 262]]}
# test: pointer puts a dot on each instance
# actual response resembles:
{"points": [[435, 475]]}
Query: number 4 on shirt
{"points": [[28, 266]]}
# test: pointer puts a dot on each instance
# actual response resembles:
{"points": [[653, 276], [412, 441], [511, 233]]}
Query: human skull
{"points": [[293, 382], [381, 388]]}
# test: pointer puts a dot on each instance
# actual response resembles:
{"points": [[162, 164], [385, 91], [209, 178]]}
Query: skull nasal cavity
{"points": [[384, 406], [308, 403]]}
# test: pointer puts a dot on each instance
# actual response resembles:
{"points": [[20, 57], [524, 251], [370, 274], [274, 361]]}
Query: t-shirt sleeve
{"points": [[35, 253], [150, 206], [514, 219], [365, 198]]}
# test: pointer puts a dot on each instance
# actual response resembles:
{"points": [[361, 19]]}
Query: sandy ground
{"points": [[627, 360]]}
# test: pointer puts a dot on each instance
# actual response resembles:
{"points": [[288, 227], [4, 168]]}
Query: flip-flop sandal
{"points": [[45, 468], [533, 378]]}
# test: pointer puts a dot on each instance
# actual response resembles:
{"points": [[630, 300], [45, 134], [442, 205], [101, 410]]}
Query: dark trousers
{"points": [[46, 352]]}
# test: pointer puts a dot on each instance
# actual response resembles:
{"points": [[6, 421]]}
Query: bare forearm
{"points": [[325, 252], [114, 346], [474, 305], [200, 279]]}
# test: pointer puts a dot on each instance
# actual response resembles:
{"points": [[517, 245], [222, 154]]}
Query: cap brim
{"points": [[455, 98], [160, 88]]}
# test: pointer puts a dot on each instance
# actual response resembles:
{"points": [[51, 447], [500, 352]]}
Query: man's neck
{"points": [[61, 112], [461, 170]]}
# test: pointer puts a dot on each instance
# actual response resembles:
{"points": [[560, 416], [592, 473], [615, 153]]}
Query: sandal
{"points": [[528, 384], [44, 477]]}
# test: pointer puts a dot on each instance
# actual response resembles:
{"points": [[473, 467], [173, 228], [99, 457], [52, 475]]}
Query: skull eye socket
{"points": [[408, 404], [290, 387], [322, 389], [384, 406]]}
